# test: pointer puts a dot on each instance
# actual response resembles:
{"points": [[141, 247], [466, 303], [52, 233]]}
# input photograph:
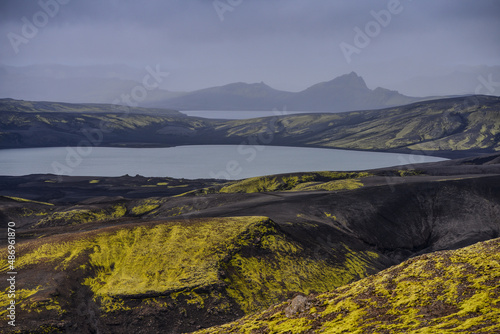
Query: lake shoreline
{"points": [[446, 154], [229, 162]]}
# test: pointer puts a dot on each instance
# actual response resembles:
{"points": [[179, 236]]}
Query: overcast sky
{"points": [[288, 44]]}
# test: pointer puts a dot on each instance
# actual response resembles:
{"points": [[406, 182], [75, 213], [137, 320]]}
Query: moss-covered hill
{"points": [[168, 277], [443, 292], [448, 125], [292, 182], [453, 127], [11, 105]]}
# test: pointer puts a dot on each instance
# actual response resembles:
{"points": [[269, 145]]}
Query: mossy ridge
{"points": [[170, 256], [190, 261], [145, 206], [256, 283], [442, 292], [297, 182], [179, 256], [82, 216], [21, 200], [22, 296], [276, 265]]}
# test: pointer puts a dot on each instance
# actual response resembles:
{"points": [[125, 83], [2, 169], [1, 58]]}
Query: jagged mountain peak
{"points": [[351, 80]]}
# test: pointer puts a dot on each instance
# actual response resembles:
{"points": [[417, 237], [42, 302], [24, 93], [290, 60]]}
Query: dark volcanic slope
{"points": [[42, 124], [453, 127], [400, 220]]}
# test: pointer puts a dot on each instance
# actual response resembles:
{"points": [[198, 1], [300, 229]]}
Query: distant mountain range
{"points": [[344, 93], [106, 84]]}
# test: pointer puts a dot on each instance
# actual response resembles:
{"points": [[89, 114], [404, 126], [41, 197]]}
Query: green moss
{"points": [[249, 256], [145, 206], [444, 292], [19, 199], [408, 172], [82, 216], [179, 186], [329, 215], [292, 326], [28, 212], [253, 185], [49, 329], [23, 297], [132, 261], [290, 182], [330, 181], [256, 281], [350, 184], [119, 255]]}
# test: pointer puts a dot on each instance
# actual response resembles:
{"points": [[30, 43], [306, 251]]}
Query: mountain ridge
{"points": [[343, 93]]}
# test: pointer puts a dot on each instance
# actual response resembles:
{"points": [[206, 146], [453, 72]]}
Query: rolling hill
{"points": [[453, 127]]}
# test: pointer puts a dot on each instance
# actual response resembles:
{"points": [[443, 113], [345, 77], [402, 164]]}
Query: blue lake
{"points": [[239, 114], [192, 162]]}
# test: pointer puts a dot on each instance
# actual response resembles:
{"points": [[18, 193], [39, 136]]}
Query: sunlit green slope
{"points": [[443, 292]]}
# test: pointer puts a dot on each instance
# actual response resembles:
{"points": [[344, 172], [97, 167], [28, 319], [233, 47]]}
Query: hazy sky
{"points": [[288, 44]]}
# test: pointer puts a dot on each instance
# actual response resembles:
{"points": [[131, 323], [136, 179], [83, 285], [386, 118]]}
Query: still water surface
{"points": [[239, 114], [192, 162]]}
